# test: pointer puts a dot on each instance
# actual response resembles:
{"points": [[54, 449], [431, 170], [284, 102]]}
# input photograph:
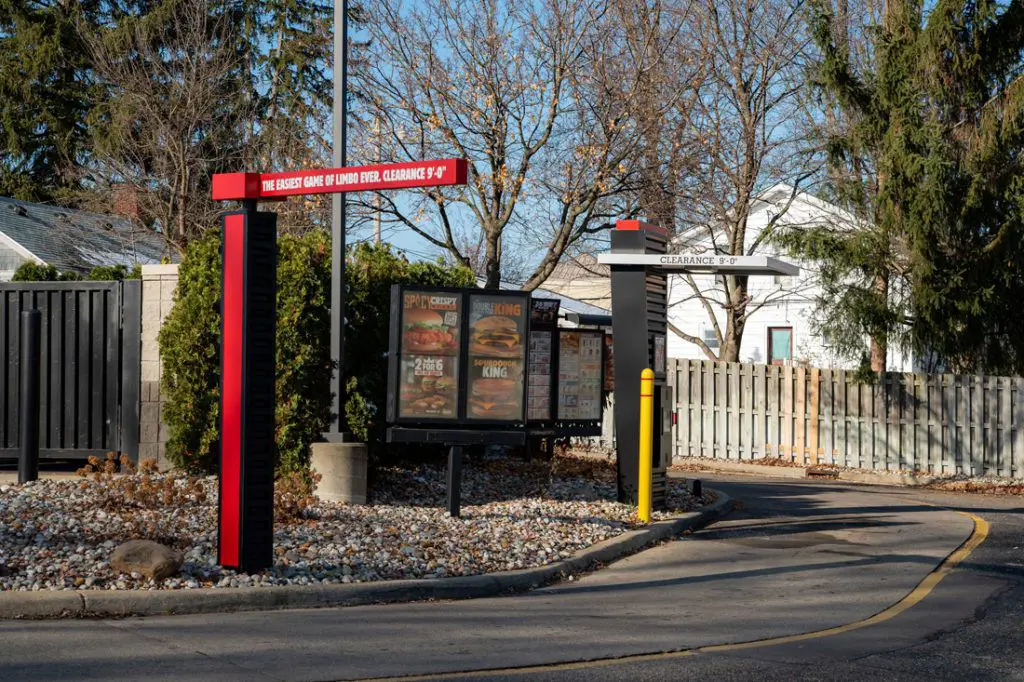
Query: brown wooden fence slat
{"points": [[939, 424], [1018, 427]]}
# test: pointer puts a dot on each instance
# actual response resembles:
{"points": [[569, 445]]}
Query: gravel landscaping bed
{"points": [[59, 534]]}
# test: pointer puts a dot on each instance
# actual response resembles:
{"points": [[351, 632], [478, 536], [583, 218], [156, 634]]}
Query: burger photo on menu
{"points": [[496, 336], [495, 399], [428, 396], [425, 331]]}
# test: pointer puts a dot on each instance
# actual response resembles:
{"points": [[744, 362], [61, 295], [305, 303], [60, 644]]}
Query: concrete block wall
{"points": [[158, 285]]}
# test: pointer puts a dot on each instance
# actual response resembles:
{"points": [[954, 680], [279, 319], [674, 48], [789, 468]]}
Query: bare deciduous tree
{"points": [[752, 52], [540, 97], [176, 112]]}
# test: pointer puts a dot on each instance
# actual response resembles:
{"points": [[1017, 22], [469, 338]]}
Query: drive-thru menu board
{"points": [[543, 322], [580, 364], [464, 360], [457, 356], [497, 357], [429, 365]]}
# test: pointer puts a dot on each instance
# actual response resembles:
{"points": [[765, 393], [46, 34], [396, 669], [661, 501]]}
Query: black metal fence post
{"points": [[28, 459], [454, 480]]}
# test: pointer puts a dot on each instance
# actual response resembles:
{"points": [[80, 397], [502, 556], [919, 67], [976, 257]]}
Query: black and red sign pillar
{"points": [[639, 325], [248, 306]]}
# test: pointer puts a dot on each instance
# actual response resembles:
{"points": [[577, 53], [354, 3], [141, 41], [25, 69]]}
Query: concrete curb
{"points": [[118, 604], [898, 480], [866, 477], [757, 469]]}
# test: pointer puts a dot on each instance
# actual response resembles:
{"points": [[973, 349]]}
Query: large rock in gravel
{"points": [[149, 558]]}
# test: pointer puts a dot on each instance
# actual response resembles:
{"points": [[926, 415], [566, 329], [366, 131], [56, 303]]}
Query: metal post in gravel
{"points": [[28, 459], [454, 480]]}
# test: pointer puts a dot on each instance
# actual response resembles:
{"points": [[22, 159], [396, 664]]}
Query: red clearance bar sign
{"points": [[438, 173]]}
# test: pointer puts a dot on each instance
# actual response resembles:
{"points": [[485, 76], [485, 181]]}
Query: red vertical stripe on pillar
{"points": [[233, 311]]}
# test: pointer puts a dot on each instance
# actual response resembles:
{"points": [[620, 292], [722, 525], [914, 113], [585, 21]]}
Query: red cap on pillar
{"points": [[635, 225], [228, 186]]}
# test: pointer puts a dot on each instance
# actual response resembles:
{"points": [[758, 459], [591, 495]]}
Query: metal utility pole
{"points": [[376, 199], [340, 130]]}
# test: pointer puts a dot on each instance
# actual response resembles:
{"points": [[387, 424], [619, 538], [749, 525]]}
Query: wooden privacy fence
{"points": [[89, 373], [939, 424]]}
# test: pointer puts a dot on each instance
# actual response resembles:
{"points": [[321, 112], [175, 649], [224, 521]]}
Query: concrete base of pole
{"points": [[342, 467]]}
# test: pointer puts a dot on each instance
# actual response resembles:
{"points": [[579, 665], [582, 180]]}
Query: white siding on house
{"points": [[786, 301], [9, 262]]}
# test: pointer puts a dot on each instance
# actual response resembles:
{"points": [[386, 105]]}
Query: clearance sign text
{"points": [[438, 173]]}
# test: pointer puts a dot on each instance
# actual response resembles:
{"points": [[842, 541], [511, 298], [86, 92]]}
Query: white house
{"points": [[780, 331]]}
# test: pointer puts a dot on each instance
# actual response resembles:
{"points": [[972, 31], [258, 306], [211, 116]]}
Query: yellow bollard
{"points": [[646, 443]]}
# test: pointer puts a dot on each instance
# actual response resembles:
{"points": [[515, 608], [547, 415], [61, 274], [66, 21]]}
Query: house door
{"points": [[780, 345]]}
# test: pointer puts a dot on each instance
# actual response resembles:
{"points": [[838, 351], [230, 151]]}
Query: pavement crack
{"points": [[250, 672]]}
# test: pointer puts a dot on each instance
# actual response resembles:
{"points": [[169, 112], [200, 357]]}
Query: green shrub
{"points": [[114, 273], [303, 346], [191, 333], [34, 272], [188, 347], [30, 271]]}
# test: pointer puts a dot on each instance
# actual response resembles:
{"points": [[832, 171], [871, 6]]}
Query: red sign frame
{"points": [[262, 186], [232, 392]]}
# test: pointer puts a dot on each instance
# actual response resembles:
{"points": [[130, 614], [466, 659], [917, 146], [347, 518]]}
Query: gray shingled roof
{"points": [[76, 240]]}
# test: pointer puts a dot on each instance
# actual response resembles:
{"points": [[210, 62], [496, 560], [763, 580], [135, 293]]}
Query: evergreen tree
{"points": [[967, 226], [929, 159], [292, 70], [197, 87], [45, 94], [290, 46], [71, 128]]}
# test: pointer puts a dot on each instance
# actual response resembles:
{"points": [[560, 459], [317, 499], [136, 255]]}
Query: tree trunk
{"points": [[879, 341], [492, 261], [878, 354], [735, 322], [731, 346]]}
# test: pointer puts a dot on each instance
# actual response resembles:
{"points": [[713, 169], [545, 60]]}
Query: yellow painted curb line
{"points": [[922, 590]]}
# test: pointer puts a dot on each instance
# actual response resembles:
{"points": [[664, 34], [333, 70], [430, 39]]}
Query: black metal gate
{"points": [[89, 379]]}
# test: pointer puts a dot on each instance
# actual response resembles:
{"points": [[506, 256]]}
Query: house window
{"points": [[780, 345], [826, 340], [710, 337]]}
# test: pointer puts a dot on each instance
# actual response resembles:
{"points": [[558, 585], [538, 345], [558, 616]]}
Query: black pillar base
{"points": [[454, 480]]}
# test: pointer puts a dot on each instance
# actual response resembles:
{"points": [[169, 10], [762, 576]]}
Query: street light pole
{"points": [[340, 131]]}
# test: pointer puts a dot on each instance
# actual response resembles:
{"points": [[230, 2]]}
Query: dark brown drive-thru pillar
{"points": [[639, 325]]}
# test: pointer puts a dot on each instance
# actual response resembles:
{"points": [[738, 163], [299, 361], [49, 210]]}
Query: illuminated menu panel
{"points": [[580, 357], [543, 322], [497, 357], [539, 389], [429, 366]]}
